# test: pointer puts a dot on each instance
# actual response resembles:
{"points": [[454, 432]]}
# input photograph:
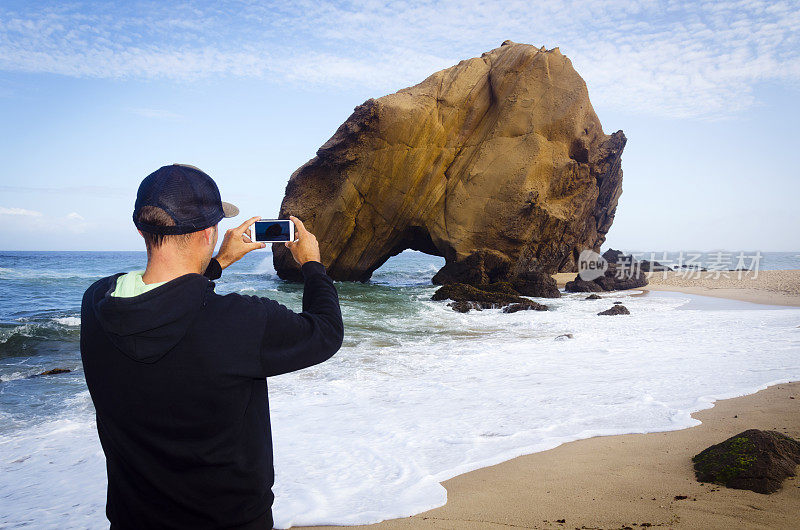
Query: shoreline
{"points": [[630, 480], [769, 287], [755, 296], [624, 480]]}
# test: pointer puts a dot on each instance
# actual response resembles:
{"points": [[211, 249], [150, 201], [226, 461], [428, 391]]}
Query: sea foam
{"points": [[419, 395], [68, 321]]}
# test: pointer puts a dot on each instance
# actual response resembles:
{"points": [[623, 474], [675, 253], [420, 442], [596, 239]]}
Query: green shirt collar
{"points": [[131, 284]]}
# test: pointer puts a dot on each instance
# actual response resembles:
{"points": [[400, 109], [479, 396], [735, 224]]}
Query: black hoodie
{"points": [[178, 380]]}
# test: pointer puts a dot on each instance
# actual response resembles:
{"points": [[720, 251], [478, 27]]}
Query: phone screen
{"points": [[271, 231]]}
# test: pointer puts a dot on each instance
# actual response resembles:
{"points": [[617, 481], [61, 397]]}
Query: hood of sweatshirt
{"points": [[146, 327]]}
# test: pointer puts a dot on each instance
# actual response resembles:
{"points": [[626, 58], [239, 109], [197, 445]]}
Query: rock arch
{"points": [[498, 164]]}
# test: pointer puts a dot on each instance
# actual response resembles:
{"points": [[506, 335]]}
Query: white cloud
{"points": [[657, 57], [19, 212], [30, 221], [73, 222]]}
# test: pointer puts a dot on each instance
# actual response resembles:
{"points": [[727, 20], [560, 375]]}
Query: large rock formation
{"points": [[498, 162]]}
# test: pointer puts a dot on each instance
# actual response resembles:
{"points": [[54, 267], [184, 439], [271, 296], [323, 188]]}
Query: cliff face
{"points": [[499, 164]]}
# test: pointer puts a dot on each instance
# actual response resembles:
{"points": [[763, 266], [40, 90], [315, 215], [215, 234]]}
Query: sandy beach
{"points": [[630, 480], [767, 287], [637, 480], [781, 287]]}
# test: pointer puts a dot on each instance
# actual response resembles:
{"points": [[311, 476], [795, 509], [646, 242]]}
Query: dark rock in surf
{"points": [[693, 267], [463, 306], [616, 310], [582, 286], [523, 306], [536, 284], [54, 371], [623, 273], [614, 256], [653, 266], [483, 296]]}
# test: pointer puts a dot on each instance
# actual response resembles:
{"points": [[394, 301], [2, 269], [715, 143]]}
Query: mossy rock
{"points": [[753, 459]]}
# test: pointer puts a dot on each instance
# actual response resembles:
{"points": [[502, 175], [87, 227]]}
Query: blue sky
{"points": [[95, 96]]}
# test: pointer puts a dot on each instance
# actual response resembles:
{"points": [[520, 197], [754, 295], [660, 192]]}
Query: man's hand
{"points": [[305, 247], [237, 243]]}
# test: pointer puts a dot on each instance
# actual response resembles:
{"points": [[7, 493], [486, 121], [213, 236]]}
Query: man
{"points": [[177, 373]]}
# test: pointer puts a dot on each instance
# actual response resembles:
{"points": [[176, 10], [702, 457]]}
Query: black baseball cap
{"points": [[188, 195]]}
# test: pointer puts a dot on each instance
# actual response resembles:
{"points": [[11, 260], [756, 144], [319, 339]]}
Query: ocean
{"points": [[417, 394]]}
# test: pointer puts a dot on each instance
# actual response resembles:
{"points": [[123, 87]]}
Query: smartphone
{"points": [[273, 230]]}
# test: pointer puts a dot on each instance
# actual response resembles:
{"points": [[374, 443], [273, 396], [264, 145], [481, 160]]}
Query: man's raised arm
{"points": [[293, 341]]}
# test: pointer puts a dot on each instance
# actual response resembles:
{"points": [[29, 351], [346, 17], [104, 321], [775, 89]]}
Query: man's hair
{"points": [[154, 215]]}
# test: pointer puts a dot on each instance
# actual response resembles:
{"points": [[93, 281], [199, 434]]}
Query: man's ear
{"points": [[209, 235]]}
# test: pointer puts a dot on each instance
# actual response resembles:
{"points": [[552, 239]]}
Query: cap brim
{"points": [[229, 209]]}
